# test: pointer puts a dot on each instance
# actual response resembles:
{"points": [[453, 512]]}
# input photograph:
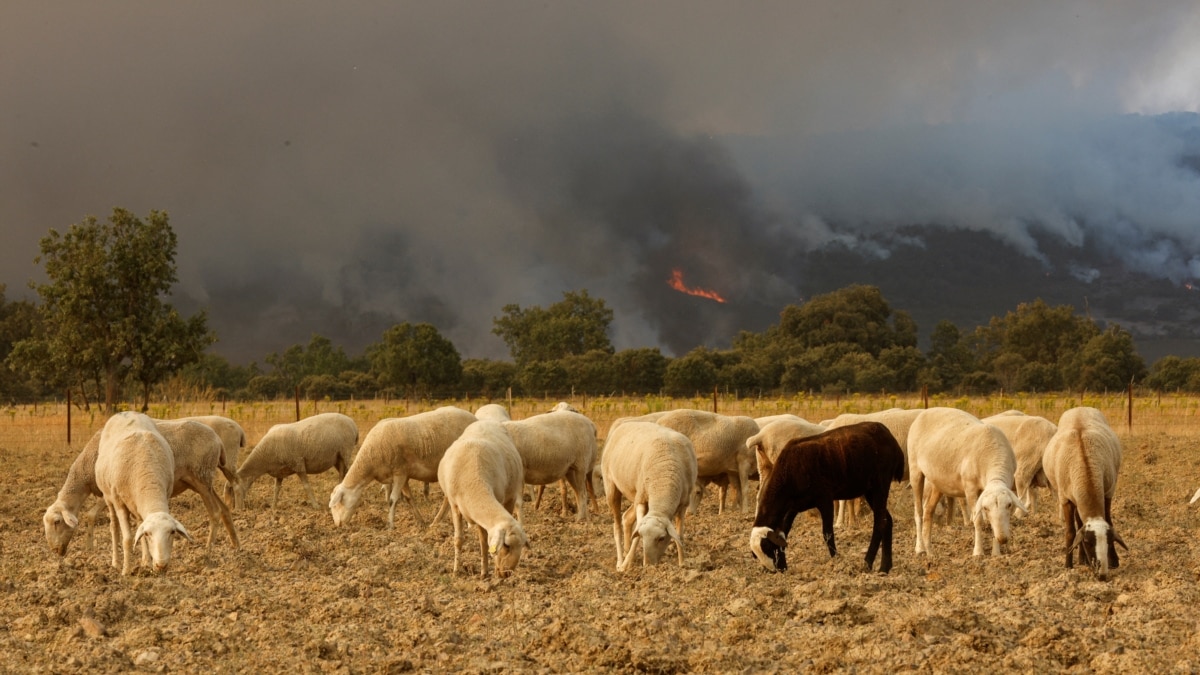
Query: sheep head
{"points": [[342, 503], [1093, 541], [656, 533], [60, 526], [770, 547], [505, 545], [160, 528], [995, 506]]}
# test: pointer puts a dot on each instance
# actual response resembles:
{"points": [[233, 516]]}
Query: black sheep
{"points": [[859, 460]]}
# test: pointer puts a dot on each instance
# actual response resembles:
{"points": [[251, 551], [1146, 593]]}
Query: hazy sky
{"points": [[336, 167]]}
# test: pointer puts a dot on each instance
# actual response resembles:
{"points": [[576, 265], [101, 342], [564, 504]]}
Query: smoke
{"points": [[337, 168]]}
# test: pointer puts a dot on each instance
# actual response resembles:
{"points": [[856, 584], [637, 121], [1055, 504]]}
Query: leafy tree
{"points": [[639, 371], [415, 358], [1109, 361], [215, 372], [487, 377], [949, 356], [18, 321], [574, 326], [320, 357], [538, 378], [856, 315], [103, 308], [1172, 373], [1033, 345], [591, 372], [690, 374]]}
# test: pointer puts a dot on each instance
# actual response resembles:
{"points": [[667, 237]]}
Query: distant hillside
{"points": [[969, 277]]}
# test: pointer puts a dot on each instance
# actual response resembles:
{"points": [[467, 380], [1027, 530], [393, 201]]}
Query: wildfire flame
{"points": [[676, 282]]}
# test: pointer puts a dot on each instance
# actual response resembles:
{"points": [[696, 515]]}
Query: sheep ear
{"points": [[1017, 503], [1117, 539], [180, 529], [137, 535], [70, 519], [776, 538], [977, 511], [1195, 497], [495, 540], [335, 497], [1078, 539], [764, 462]]}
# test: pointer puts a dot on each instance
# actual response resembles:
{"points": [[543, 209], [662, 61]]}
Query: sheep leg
{"points": [[1068, 516], [278, 489], [457, 519], [881, 533], [977, 521], [576, 480], [1114, 561], [114, 529], [826, 510], [122, 517], [537, 496], [412, 504], [90, 522], [441, 510], [398, 482], [614, 506], [483, 551], [917, 480], [216, 510], [312, 497], [679, 530]]}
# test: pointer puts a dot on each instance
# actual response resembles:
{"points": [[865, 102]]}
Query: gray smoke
{"points": [[335, 168]]}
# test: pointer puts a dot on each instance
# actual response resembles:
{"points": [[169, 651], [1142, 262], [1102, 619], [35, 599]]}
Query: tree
{"points": [[949, 357], [572, 327], [639, 371], [487, 377], [18, 321], [104, 308], [415, 359], [691, 374], [1109, 361]]}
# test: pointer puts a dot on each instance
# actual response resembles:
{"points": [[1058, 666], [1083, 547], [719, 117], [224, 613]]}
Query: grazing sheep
{"points": [[557, 446], [898, 421], [810, 473], [1028, 435], [197, 451], [195, 457], [395, 450], [312, 445], [721, 452], [771, 439], [134, 470], [960, 456], [1081, 462], [482, 477], [655, 468], [494, 412], [234, 439], [1195, 497]]}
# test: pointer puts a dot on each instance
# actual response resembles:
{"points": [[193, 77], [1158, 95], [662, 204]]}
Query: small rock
{"points": [[740, 606], [91, 627], [145, 658]]}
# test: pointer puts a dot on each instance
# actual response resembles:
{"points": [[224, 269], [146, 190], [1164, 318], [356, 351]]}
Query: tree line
{"points": [[105, 330]]}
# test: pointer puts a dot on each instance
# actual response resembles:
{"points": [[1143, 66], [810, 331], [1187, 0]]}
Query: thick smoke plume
{"points": [[335, 168]]}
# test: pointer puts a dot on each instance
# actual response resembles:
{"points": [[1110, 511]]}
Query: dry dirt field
{"points": [[302, 596]]}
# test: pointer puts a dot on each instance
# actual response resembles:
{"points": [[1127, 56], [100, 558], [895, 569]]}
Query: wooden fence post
{"points": [[297, 403], [68, 416], [1130, 406]]}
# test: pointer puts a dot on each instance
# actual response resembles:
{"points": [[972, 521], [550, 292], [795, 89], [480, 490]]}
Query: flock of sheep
{"points": [[661, 463]]}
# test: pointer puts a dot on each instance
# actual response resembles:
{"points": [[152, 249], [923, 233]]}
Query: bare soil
{"points": [[303, 596]]}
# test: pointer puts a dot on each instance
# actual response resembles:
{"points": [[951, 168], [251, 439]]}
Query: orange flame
{"points": [[676, 282]]}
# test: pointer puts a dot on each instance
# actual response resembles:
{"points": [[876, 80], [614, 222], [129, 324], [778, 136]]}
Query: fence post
{"points": [[297, 403], [1130, 406], [714, 399], [68, 416]]}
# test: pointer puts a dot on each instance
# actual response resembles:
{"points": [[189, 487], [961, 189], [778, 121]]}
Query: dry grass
{"points": [[303, 596]]}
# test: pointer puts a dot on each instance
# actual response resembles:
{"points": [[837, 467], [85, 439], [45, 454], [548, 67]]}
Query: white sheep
{"points": [[395, 450], [1028, 435], [483, 480], [135, 470], [771, 438], [720, 445], [233, 437], [655, 468], [960, 456], [1082, 462], [196, 451], [494, 412], [313, 445], [557, 446]]}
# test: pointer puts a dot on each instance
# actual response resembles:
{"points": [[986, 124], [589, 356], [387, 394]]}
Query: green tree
{"points": [[691, 374], [574, 326], [489, 378], [18, 321], [1172, 373], [104, 308], [949, 357], [1109, 361], [591, 372], [416, 359], [639, 371]]}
